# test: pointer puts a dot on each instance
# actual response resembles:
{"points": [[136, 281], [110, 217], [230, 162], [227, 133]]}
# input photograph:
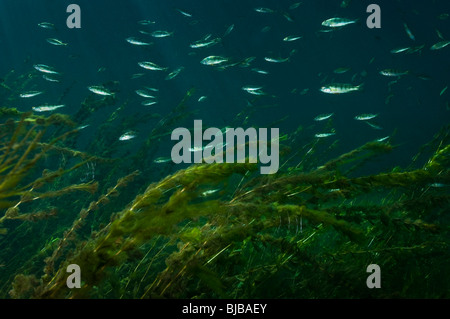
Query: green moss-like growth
{"points": [[214, 230], [257, 230]]}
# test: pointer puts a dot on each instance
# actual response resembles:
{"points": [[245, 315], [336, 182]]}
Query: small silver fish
{"points": [[214, 60], [338, 22], [136, 41], [146, 22], [137, 75], [149, 102], [304, 91], [408, 32], [79, 128], [196, 149], [294, 5], [322, 135], [161, 160], [204, 43], [174, 73], [47, 108], [383, 139], [186, 14], [400, 50], [145, 32], [144, 93], [229, 29], [374, 126], [276, 60], [255, 90], [100, 90], [45, 69], [47, 25], [50, 79], [392, 72], [439, 34], [56, 42], [415, 49], [365, 117], [264, 10], [260, 71], [251, 88], [341, 70], [151, 66], [323, 117], [288, 17], [325, 30], [210, 192], [292, 38], [340, 88], [30, 94], [161, 34], [438, 185], [127, 136], [440, 45]]}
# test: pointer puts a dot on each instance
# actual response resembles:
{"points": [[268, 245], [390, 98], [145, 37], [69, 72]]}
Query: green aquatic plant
{"points": [[70, 234], [244, 240], [9, 111], [21, 150], [146, 217], [220, 230]]}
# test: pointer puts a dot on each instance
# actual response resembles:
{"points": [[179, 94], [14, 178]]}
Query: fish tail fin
{"points": [[360, 87]]}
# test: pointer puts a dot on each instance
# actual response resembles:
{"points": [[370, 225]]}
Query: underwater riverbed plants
{"points": [[220, 230]]}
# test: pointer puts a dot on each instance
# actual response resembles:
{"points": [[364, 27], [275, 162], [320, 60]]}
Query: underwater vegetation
{"points": [[215, 230]]}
